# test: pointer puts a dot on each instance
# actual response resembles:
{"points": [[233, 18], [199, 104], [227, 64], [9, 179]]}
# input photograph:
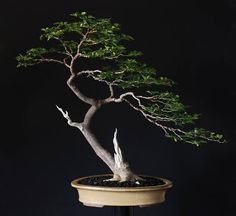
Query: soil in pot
{"points": [[102, 181]]}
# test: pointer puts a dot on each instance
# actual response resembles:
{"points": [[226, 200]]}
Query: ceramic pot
{"points": [[99, 196]]}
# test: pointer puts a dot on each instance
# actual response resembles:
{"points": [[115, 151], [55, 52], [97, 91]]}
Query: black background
{"points": [[192, 42]]}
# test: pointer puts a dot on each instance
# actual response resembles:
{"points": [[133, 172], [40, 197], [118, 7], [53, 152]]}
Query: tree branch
{"points": [[78, 54], [51, 60], [90, 137], [65, 47], [72, 86], [89, 72], [66, 116]]}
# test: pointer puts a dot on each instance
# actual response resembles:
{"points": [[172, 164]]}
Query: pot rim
{"points": [[75, 184]]}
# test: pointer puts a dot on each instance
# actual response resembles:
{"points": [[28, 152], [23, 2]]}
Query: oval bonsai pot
{"points": [[99, 196]]}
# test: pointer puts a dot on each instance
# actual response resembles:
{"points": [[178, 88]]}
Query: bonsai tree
{"points": [[127, 78]]}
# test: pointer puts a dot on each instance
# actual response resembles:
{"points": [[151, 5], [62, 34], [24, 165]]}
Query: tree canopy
{"points": [[99, 38]]}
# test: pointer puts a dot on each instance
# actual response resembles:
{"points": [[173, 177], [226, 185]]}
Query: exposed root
{"points": [[133, 178], [110, 180], [114, 178], [122, 170], [118, 156]]}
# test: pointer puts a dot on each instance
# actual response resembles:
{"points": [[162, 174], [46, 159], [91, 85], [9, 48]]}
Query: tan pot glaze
{"points": [[99, 196]]}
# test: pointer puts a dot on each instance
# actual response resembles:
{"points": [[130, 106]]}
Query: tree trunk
{"points": [[117, 165], [98, 149]]}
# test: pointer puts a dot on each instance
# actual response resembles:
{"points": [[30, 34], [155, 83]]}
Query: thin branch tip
{"points": [[64, 113]]}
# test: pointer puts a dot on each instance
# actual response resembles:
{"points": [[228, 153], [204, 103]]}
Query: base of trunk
{"points": [[111, 193], [124, 176]]}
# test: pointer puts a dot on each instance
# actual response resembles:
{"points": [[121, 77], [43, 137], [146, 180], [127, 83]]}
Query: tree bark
{"points": [[98, 149]]}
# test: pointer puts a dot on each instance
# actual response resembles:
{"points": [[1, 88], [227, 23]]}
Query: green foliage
{"points": [[130, 73], [99, 38], [197, 136], [166, 106], [32, 56]]}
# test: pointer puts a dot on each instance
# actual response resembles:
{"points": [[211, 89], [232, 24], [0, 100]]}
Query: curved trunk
{"points": [[120, 168]]}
